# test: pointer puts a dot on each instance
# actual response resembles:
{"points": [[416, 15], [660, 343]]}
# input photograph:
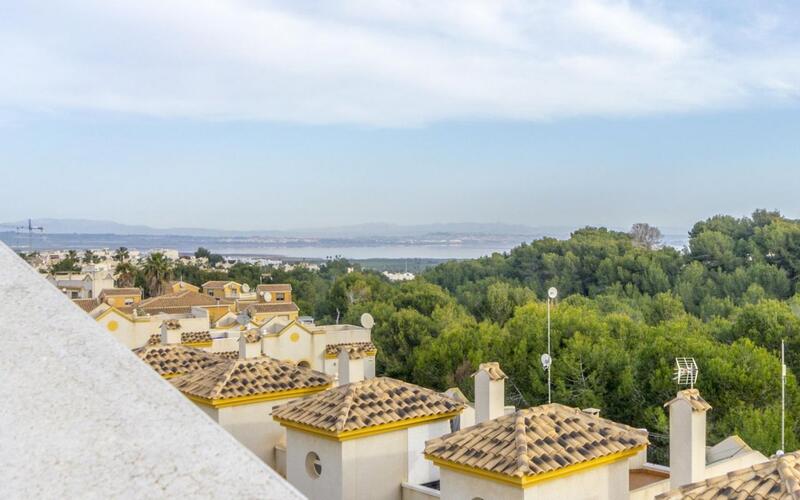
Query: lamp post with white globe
{"points": [[552, 293]]}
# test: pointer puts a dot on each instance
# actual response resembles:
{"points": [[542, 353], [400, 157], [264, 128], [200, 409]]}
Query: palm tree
{"points": [[126, 274], [72, 255], [157, 271], [90, 258], [122, 254]]}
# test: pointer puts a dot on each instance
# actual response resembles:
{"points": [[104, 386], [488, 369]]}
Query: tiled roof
{"points": [[493, 369], [276, 308], [186, 338], [249, 377], [691, 396], [275, 287], [121, 291], [87, 305], [777, 479], [215, 284], [535, 441], [175, 359], [173, 302], [356, 350], [365, 404], [252, 335]]}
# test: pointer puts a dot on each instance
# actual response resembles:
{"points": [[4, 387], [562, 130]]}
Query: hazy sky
{"points": [[254, 114]]}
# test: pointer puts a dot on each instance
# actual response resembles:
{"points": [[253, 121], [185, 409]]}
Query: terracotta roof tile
{"points": [[364, 404], [175, 359], [275, 287], [691, 396], [356, 350], [535, 441], [493, 369], [120, 291], [174, 302], [87, 305], [186, 338], [252, 335], [249, 377], [273, 308], [777, 479], [215, 284]]}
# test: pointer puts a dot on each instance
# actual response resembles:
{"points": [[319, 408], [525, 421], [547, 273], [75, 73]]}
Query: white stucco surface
{"points": [[82, 417]]}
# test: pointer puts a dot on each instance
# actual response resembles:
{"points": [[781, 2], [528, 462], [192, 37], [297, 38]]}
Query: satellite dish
{"points": [[367, 321], [546, 361], [267, 297], [245, 288], [552, 292]]}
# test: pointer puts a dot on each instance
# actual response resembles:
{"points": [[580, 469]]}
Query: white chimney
{"points": [[351, 366], [170, 332], [687, 438], [249, 344], [490, 390]]}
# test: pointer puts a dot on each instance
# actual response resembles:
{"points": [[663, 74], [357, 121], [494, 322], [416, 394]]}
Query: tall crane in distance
{"points": [[31, 229]]}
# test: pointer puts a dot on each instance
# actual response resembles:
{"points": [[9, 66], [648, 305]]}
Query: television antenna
{"points": [[547, 359], [783, 399], [686, 372]]}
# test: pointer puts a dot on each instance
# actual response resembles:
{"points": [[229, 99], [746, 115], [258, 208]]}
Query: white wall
{"points": [[375, 466], [252, 425], [329, 484], [458, 486], [605, 482], [421, 470]]}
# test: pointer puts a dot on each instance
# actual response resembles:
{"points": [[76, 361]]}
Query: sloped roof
{"points": [[777, 479], [87, 305], [691, 396], [120, 291], [368, 403], [249, 377], [83, 418], [182, 300], [727, 448], [175, 359], [270, 308], [535, 441], [275, 287], [216, 284]]}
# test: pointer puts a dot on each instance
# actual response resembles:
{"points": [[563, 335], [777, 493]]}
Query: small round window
{"points": [[313, 465]]}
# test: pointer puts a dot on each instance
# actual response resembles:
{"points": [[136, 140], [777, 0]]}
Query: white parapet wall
{"points": [[82, 417]]}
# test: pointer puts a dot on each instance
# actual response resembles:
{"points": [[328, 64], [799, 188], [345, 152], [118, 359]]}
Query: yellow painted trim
{"points": [[529, 480], [367, 431], [108, 311], [366, 353], [258, 398], [199, 344]]}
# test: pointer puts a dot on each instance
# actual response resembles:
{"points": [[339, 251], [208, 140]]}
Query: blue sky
{"points": [[249, 115]]}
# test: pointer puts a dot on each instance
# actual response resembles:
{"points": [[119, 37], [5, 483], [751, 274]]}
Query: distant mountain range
{"points": [[381, 230]]}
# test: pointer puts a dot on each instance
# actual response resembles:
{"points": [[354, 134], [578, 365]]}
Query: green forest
{"points": [[627, 308]]}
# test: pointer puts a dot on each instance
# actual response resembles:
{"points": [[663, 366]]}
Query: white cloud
{"points": [[388, 62]]}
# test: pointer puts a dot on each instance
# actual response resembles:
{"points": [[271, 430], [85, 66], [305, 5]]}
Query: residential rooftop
{"points": [[84, 418]]}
